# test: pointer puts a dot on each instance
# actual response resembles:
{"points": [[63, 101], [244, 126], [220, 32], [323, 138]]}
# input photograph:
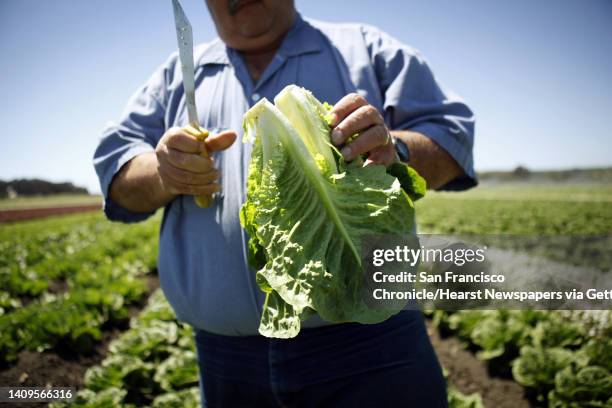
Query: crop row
{"points": [[578, 232], [66, 279], [562, 358], [523, 209], [35, 255], [154, 364]]}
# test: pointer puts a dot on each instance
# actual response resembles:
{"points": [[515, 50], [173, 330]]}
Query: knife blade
{"points": [[184, 36]]}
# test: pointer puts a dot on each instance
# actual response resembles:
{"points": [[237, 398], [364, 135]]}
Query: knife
{"points": [[184, 37]]}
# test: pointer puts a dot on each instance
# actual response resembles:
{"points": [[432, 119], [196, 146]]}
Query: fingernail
{"points": [[336, 136], [346, 152]]}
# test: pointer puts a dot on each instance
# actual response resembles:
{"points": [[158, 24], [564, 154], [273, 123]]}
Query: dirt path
{"points": [[469, 375], [22, 214]]}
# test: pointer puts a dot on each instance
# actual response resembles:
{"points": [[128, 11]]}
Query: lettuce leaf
{"points": [[307, 212]]}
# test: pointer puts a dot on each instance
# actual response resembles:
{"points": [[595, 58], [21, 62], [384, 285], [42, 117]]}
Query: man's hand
{"points": [[353, 114], [151, 180], [182, 163]]}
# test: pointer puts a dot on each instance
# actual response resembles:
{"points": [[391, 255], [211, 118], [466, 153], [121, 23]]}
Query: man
{"points": [[380, 88]]}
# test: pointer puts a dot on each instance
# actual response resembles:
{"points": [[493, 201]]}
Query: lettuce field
{"points": [[80, 306], [561, 358]]}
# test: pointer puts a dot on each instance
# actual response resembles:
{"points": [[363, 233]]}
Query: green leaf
{"points": [[457, 399], [587, 387], [536, 367], [307, 219], [413, 184], [189, 397], [178, 370]]}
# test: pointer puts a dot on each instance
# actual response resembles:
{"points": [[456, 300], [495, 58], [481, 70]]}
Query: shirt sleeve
{"points": [[141, 126], [414, 100]]}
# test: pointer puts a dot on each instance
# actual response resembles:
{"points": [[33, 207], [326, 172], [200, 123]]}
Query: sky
{"points": [[538, 74]]}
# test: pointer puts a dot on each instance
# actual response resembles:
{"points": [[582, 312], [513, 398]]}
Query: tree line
{"points": [[31, 187]]}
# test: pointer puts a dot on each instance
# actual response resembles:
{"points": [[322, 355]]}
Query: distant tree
{"points": [[30, 187], [521, 172]]}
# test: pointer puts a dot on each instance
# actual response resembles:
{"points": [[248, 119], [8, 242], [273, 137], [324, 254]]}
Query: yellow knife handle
{"points": [[203, 201]]}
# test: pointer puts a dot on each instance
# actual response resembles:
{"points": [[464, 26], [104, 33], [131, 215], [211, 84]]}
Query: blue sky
{"points": [[538, 74]]}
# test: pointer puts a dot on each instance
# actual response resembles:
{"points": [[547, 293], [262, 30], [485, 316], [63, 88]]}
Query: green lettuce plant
{"points": [[307, 212]]}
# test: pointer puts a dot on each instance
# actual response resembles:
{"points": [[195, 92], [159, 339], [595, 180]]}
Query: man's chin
{"points": [[257, 27], [254, 32], [254, 25]]}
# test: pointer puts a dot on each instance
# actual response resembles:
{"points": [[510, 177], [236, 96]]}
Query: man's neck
{"points": [[258, 60]]}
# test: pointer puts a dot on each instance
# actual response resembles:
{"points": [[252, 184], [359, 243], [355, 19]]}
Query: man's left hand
{"points": [[354, 115]]}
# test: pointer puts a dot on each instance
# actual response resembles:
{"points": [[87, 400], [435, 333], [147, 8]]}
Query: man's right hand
{"points": [[182, 165]]}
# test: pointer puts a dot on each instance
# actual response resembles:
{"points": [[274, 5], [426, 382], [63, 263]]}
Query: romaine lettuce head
{"points": [[306, 214]]}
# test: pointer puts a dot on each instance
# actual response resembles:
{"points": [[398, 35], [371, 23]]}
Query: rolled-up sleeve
{"points": [[140, 128], [414, 100]]}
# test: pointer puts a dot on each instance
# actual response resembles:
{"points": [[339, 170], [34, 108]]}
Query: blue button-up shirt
{"points": [[202, 254]]}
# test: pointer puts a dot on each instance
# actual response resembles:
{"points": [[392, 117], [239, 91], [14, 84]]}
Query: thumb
{"points": [[220, 141]]}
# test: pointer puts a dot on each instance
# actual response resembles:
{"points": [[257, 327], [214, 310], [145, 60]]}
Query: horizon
{"points": [[536, 75], [533, 172]]}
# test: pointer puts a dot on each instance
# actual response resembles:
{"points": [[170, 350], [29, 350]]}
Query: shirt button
{"points": [[255, 97]]}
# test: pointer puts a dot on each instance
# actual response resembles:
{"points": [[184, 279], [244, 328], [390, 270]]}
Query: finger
{"points": [[384, 155], [190, 162], [220, 141], [188, 189], [358, 120], [199, 190], [345, 106], [179, 139], [188, 177], [368, 140]]}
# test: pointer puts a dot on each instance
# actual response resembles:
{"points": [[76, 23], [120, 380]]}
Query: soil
{"points": [[52, 369], [22, 214], [469, 375]]}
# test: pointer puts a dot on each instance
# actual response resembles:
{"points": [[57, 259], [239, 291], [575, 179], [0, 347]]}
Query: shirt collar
{"points": [[214, 52], [298, 41], [301, 39]]}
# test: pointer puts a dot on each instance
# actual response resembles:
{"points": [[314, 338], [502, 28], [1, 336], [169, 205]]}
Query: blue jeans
{"points": [[391, 364]]}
